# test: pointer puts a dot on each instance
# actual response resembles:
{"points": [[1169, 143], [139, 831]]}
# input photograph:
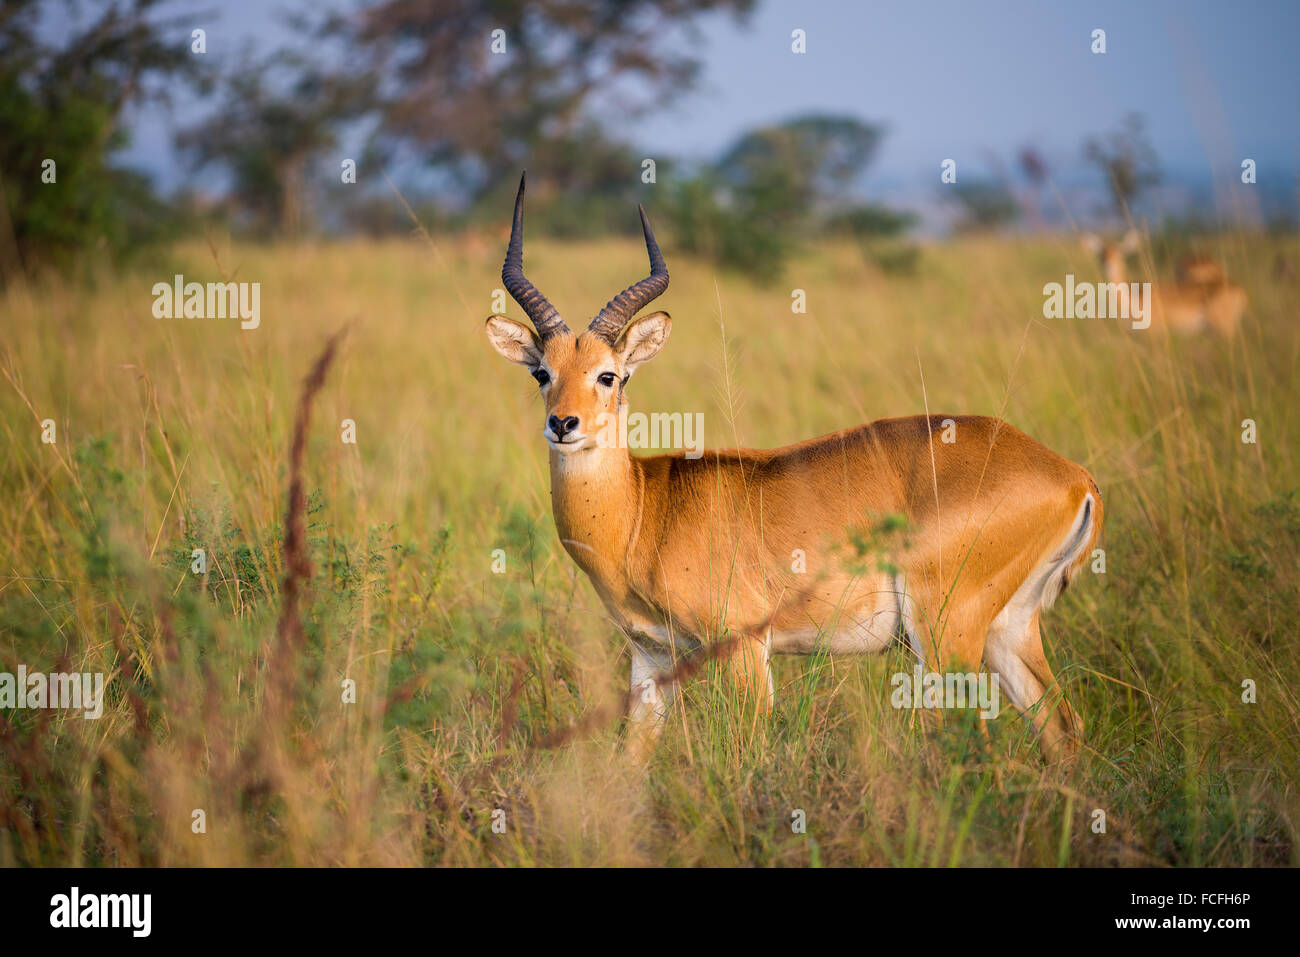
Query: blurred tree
{"points": [[276, 117], [1033, 166], [878, 231], [1034, 169], [777, 185], [985, 205], [585, 185], [740, 231], [865, 221], [63, 100], [801, 165], [479, 89], [1127, 160]]}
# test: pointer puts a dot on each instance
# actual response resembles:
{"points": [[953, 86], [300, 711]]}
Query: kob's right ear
{"points": [[515, 341]]}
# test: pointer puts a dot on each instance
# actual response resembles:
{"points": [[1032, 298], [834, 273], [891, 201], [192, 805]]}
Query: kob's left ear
{"points": [[642, 340]]}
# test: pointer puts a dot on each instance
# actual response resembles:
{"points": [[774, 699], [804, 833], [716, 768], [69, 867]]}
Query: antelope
{"points": [[1203, 298], [686, 553], [1200, 270]]}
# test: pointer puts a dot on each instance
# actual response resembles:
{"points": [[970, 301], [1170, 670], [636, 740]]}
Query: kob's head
{"points": [[1112, 255], [581, 377]]}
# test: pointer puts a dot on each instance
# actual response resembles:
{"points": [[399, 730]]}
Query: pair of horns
{"points": [[609, 322]]}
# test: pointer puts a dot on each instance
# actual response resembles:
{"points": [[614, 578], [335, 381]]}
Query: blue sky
{"points": [[950, 77], [1215, 81]]}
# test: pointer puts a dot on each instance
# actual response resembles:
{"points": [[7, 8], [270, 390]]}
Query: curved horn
{"points": [[537, 307], [609, 322]]}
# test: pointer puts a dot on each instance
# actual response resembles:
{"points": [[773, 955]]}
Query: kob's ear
{"points": [[515, 341], [642, 340], [1091, 243]]}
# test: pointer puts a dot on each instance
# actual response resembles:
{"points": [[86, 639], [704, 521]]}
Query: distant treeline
{"points": [[465, 115]]}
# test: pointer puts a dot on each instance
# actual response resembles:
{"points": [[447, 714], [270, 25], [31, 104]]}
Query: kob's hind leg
{"points": [[1014, 652]]}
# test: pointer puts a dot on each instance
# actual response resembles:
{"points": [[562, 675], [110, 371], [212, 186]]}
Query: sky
{"points": [[1216, 82], [956, 77]]}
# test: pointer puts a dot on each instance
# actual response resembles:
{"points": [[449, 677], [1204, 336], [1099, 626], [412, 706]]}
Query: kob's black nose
{"points": [[562, 426]]}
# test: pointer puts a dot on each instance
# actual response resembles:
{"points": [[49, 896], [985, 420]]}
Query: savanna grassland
{"points": [[174, 435]]}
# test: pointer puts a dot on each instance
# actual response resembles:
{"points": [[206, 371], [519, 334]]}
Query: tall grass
{"points": [[175, 435]]}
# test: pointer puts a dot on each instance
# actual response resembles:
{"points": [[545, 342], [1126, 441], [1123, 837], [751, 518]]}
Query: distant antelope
{"points": [[1204, 298], [751, 544], [1200, 270]]}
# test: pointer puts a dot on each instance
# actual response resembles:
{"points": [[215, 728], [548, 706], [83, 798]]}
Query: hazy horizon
{"points": [[1223, 88]]}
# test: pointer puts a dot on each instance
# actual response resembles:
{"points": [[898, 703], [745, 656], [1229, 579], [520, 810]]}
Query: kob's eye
{"points": [[542, 376], [606, 379]]}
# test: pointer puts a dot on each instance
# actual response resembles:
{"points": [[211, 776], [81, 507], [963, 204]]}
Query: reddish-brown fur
{"points": [[689, 551], [1201, 298]]}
